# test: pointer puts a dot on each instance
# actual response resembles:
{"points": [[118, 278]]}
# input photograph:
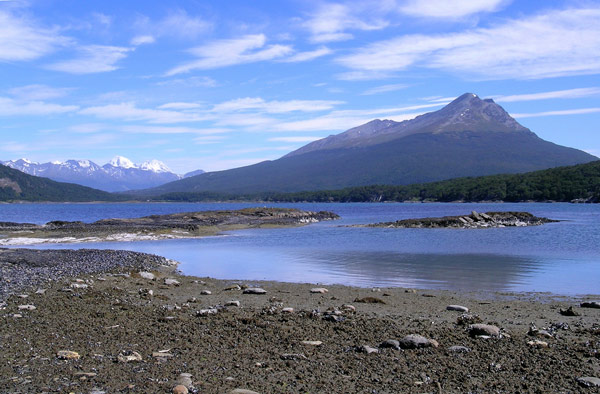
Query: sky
{"points": [[214, 85]]}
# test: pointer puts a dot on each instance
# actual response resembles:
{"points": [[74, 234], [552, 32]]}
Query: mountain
{"points": [[18, 186], [468, 137], [120, 174], [193, 173]]}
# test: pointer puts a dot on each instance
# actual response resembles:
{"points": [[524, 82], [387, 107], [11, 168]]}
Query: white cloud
{"points": [[309, 55], [22, 39], [93, 59], [579, 111], [129, 111], [208, 139], [143, 129], [449, 9], [180, 105], [552, 44], [38, 92], [229, 52], [556, 94], [331, 21], [141, 40], [384, 89], [11, 107], [294, 139], [178, 23], [275, 107], [87, 128]]}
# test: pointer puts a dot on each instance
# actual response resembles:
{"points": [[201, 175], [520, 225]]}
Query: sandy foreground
{"points": [[138, 328]]}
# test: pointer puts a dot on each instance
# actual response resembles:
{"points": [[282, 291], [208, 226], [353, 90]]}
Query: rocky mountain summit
{"points": [[466, 138], [119, 174]]}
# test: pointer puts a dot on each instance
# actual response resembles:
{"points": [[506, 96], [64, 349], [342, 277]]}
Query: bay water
{"points": [[560, 258]]}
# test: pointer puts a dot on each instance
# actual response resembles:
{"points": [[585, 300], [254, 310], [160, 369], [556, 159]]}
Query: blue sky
{"points": [[217, 85]]}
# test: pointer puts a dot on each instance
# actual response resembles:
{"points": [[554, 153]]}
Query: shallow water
{"points": [[562, 258]]}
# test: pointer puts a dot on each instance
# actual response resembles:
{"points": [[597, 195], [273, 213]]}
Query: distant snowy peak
{"points": [[155, 166], [122, 162]]}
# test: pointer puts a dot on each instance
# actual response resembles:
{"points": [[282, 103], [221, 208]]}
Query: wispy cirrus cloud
{"points": [[551, 44], [308, 55], [92, 59], [577, 111], [449, 9], [384, 89], [38, 92], [275, 107], [223, 53], [11, 107], [332, 21], [556, 94], [177, 23], [130, 112], [295, 139], [22, 39]]}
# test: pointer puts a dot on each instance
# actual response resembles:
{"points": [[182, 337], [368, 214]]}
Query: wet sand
{"points": [[259, 345]]}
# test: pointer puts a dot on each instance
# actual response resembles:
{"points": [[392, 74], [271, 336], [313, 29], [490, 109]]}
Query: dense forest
{"points": [[579, 182], [18, 186]]}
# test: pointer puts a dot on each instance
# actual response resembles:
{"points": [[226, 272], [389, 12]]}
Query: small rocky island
{"points": [[177, 225], [474, 220]]}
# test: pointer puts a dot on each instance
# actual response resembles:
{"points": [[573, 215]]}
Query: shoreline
{"points": [[336, 338]]}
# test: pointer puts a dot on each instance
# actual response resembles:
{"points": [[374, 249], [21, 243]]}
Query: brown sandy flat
{"points": [[258, 347]]}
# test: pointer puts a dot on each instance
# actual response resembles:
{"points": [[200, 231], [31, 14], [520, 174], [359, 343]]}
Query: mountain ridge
{"points": [[468, 137], [119, 174]]}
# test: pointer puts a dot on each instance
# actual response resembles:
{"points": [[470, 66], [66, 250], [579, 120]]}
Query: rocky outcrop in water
{"points": [[177, 225], [474, 220]]}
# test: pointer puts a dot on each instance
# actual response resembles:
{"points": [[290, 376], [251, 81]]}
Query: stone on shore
{"points": [[537, 343], [589, 381], [484, 329], [319, 290], [370, 300], [171, 281], [147, 275], [591, 304], [368, 349], [27, 307], [242, 391], [312, 343], [415, 341], [255, 290], [129, 356], [232, 303], [459, 349], [287, 310], [180, 389], [68, 355], [205, 292], [458, 308], [185, 379], [390, 343], [568, 312]]}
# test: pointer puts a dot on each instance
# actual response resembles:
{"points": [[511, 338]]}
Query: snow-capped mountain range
{"points": [[120, 174]]}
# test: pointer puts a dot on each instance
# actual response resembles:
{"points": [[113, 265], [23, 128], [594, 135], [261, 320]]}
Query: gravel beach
{"points": [[112, 322]]}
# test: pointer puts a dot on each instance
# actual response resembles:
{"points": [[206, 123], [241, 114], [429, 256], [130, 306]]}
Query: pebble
{"points": [[312, 343], [129, 356], [370, 300], [27, 307], [23, 295], [147, 275], [458, 308], [232, 287], [414, 341], [568, 312], [484, 329], [390, 343], [40, 291], [171, 281], [206, 292], [232, 303], [162, 354], [319, 290], [206, 312], [79, 286], [413, 291], [17, 315], [242, 391], [537, 343], [180, 389], [185, 379], [287, 310], [255, 290], [591, 304], [293, 356], [467, 318], [589, 381], [67, 355], [459, 349], [349, 308], [368, 349]]}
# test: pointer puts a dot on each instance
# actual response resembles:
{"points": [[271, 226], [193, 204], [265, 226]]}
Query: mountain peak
{"points": [[155, 166], [122, 162]]}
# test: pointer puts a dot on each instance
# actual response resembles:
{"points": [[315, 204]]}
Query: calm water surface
{"points": [[562, 258]]}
